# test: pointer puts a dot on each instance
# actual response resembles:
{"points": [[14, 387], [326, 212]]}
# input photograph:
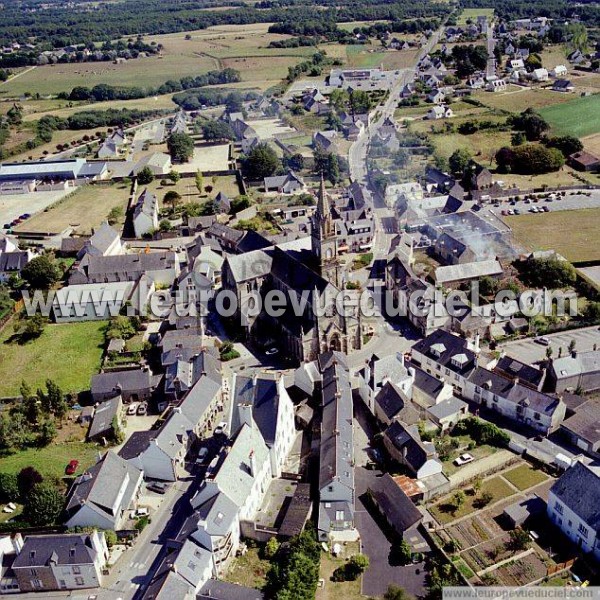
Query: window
{"points": [[34, 573], [582, 530], [558, 508], [37, 584], [339, 515], [62, 583], [537, 416], [76, 570], [79, 581]]}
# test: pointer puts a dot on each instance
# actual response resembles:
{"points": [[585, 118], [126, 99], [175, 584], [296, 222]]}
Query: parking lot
{"points": [[530, 351]]}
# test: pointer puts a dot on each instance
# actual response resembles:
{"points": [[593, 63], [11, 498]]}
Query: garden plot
{"points": [[206, 158]]}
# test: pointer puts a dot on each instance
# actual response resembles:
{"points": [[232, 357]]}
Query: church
{"points": [[310, 277]]}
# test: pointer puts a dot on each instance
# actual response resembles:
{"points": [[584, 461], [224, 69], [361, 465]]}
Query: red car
{"points": [[72, 467]]}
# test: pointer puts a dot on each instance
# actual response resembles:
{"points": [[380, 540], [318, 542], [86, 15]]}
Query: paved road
{"points": [[529, 351]]}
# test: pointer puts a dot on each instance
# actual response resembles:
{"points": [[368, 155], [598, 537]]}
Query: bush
{"points": [[9, 487], [43, 505], [482, 432]]}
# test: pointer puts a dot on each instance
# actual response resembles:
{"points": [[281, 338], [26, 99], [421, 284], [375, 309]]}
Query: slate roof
{"points": [[336, 429], [579, 489], [398, 508], [451, 346], [427, 383], [125, 381], [515, 368], [146, 204], [392, 404], [102, 485], [262, 394], [406, 438], [103, 416], [585, 423], [103, 238], [581, 363], [216, 589], [447, 408], [199, 398], [13, 261], [38, 550]]}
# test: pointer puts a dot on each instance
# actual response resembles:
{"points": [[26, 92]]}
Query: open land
{"points": [[573, 233], [579, 117], [69, 354]]}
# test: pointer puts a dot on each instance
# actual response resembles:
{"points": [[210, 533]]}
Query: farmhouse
{"points": [[562, 85], [559, 71], [582, 429], [440, 112], [284, 184]]}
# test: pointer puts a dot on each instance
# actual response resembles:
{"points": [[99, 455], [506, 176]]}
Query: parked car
{"points": [[463, 459], [131, 410], [543, 340], [272, 351], [545, 209], [158, 486], [142, 409], [517, 211], [72, 467], [221, 428], [202, 456]]}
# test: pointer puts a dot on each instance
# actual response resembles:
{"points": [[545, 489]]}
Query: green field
{"points": [[572, 233], [472, 14], [68, 353], [578, 117], [51, 460]]}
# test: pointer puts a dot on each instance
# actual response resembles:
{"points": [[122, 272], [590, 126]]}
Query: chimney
{"points": [[574, 354], [252, 463], [476, 345]]}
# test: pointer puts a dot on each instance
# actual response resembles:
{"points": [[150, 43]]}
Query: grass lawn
{"points": [[578, 117], [572, 233], [348, 590], [13, 515], [52, 460], [359, 56], [524, 477], [84, 209], [249, 570], [517, 99], [68, 353], [471, 14], [445, 513]]}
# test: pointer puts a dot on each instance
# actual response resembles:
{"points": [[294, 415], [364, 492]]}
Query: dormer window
{"points": [[460, 360], [438, 349]]}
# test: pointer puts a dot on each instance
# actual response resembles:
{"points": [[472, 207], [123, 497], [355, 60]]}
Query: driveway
{"points": [[377, 547]]}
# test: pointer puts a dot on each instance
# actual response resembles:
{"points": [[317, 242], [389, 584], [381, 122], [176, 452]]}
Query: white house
{"points": [[12, 260], [102, 496], [440, 112], [105, 241], [515, 401], [266, 402], [559, 71], [496, 85], [574, 506], [540, 74], [145, 214], [377, 372]]}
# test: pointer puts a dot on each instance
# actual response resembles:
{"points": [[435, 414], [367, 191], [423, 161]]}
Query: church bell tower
{"points": [[324, 239]]}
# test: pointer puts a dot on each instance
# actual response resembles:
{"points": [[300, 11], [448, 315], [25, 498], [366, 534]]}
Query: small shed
{"points": [[516, 514]]}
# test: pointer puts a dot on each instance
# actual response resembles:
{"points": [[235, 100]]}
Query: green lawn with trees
{"points": [[578, 117], [68, 353]]}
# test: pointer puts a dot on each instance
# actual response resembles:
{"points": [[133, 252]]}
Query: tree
{"points": [[477, 485], [360, 102], [145, 176], [271, 548], [458, 161], [404, 552], [174, 176], [533, 61], [30, 328], [9, 487], [172, 198], [517, 138], [43, 504], [458, 499], [27, 479], [338, 99], [214, 130], [395, 592], [519, 539], [261, 162], [199, 181], [41, 272], [531, 123], [567, 144], [180, 146], [296, 162], [485, 499], [111, 538], [572, 346], [591, 312], [529, 159], [47, 432]]}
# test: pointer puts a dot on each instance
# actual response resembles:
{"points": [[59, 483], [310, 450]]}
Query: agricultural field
{"points": [[242, 47], [579, 117], [83, 210], [517, 99], [572, 233], [68, 353]]}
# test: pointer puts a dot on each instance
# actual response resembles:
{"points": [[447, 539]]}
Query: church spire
{"points": [[323, 207]]}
